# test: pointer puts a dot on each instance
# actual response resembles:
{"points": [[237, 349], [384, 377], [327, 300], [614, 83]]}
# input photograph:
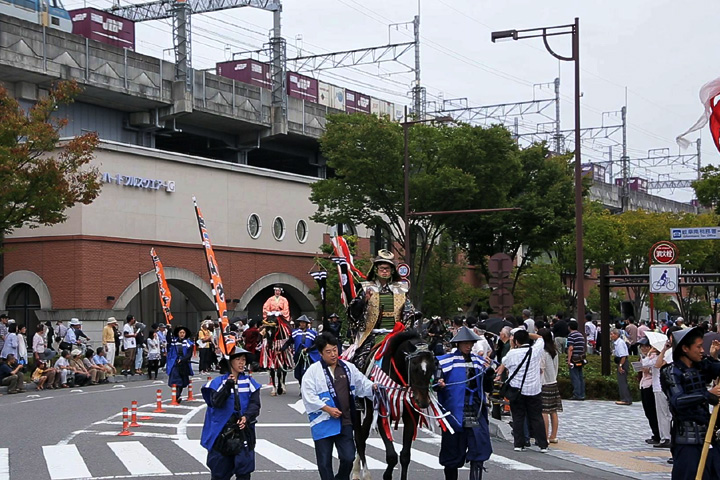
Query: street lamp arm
{"points": [[552, 52]]}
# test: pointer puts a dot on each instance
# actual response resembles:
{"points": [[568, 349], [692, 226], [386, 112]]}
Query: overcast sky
{"points": [[660, 52]]}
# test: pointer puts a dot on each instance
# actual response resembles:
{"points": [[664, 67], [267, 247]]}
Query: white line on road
{"points": [[137, 434], [298, 406], [511, 464], [142, 424], [371, 462], [137, 459], [430, 461], [280, 456], [4, 464], [64, 462], [194, 448]]}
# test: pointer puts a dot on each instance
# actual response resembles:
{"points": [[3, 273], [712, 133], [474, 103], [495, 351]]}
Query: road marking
{"points": [[280, 456], [298, 406], [4, 464], [371, 462], [137, 434], [511, 464], [137, 459], [64, 462], [194, 448], [430, 461], [142, 424]]}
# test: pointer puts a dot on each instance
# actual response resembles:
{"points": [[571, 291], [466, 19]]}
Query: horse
{"points": [[275, 333], [409, 364]]}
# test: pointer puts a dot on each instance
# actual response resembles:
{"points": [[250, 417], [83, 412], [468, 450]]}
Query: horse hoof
{"points": [[273, 393]]}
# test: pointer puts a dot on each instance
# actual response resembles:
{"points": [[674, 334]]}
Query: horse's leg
{"points": [[365, 431], [273, 392], [281, 379], [359, 446], [409, 426], [391, 457]]}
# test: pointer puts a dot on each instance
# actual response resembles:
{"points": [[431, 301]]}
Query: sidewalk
{"points": [[604, 435]]}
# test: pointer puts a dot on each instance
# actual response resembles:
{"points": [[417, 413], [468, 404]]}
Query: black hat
{"points": [[643, 341], [303, 318], [684, 337], [188, 333], [333, 315], [238, 351], [464, 334]]}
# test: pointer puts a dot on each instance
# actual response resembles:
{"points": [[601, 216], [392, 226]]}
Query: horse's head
{"points": [[420, 367]]}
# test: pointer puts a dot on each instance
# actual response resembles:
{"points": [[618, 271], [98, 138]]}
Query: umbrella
{"points": [[658, 341], [494, 325]]}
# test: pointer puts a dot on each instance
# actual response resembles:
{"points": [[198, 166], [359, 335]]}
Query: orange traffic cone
{"points": [[125, 430], [190, 397], [159, 408], [133, 415], [174, 396]]}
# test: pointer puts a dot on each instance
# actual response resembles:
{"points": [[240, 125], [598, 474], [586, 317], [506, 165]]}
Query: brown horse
{"points": [[410, 365], [275, 332]]}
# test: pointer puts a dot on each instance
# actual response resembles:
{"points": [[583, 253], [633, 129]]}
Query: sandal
{"points": [[553, 440]]}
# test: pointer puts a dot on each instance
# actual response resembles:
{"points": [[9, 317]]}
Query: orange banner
{"points": [[165, 295], [227, 339]]}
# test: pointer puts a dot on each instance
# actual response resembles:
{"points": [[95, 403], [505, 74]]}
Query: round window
{"points": [[301, 231], [254, 225], [279, 228]]}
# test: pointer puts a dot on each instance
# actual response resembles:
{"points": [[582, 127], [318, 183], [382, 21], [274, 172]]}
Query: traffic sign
{"points": [[403, 270], [700, 233], [663, 253], [664, 278]]}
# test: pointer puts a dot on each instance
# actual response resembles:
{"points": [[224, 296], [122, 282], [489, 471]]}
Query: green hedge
{"points": [[597, 386]]}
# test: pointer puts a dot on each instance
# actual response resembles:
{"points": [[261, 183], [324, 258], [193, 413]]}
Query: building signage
{"points": [[701, 233], [139, 182]]}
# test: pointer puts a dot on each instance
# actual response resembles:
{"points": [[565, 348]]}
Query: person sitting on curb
{"points": [[43, 374], [11, 374]]}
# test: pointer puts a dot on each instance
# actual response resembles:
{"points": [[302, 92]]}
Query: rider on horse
{"points": [[381, 306], [275, 331]]}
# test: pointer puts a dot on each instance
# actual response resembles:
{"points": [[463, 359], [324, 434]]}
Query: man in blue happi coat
{"points": [[302, 340], [462, 378]]}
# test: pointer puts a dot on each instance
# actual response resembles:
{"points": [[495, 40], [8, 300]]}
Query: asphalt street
{"points": [[73, 434]]}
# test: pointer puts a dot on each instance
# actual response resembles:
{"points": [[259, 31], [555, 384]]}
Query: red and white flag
{"points": [[164, 290], [710, 98]]}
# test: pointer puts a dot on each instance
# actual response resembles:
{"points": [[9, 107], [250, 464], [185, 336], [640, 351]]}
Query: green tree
{"points": [[540, 289], [40, 178], [449, 166], [707, 188], [445, 290]]}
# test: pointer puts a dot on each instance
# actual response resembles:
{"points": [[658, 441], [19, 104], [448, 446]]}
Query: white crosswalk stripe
{"points": [[138, 459], [64, 462], [281, 456], [425, 459], [371, 462], [193, 448], [4, 464]]}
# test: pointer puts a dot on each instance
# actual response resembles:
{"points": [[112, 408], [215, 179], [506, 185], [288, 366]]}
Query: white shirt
{"points": [[533, 381], [621, 349], [549, 367], [590, 331], [481, 347], [128, 342], [530, 325]]}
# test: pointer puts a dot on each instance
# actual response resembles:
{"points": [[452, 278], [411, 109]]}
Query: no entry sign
{"points": [[663, 253]]}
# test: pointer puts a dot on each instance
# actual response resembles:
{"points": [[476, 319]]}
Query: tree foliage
{"points": [[540, 289], [452, 168], [39, 178], [707, 188]]}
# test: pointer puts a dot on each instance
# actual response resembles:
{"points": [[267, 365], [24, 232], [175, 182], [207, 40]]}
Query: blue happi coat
{"points": [[452, 397], [217, 416], [179, 368]]}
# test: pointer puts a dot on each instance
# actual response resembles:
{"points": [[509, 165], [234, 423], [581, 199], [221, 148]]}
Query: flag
{"points": [[343, 250], [227, 343], [347, 283], [321, 279], [165, 295], [708, 93]]}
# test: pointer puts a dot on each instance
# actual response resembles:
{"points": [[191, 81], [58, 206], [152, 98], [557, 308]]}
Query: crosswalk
{"points": [[136, 458]]}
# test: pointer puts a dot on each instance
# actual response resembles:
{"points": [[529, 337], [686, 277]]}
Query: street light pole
{"points": [[544, 33], [406, 219]]}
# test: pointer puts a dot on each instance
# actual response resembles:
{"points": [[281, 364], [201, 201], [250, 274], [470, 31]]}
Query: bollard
{"points": [[125, 430], [133, 415], [190, 397], [174, 396], [159, 408], [209, 379]]}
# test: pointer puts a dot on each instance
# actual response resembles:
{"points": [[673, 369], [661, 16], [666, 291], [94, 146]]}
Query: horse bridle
{"points": [[420, 348]]}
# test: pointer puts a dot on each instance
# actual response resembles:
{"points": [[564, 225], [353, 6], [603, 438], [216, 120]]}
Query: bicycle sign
{"points": [[664, 278]]}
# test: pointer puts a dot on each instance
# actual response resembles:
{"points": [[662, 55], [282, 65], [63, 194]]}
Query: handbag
{"points": [[233, 440], [507, 390]]}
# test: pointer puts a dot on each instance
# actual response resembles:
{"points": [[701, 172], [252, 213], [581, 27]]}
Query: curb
{"points": [[500, 430]]}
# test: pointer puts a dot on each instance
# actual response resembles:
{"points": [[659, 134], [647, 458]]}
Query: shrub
{"points": [[597, 386]]}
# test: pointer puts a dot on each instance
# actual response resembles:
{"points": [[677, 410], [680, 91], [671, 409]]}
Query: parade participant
{"points": [[462, 379], [277, 303], [380, 307], [333, 325], [329, 389], [685, 384], [302, 341], [180, 350], [206, 348], [233, 405]]}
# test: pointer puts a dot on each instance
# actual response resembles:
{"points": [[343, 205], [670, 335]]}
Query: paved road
{"points": [[72, 434]]}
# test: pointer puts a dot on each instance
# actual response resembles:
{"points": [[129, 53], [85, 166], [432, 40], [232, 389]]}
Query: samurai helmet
{"points": [[464, 334], [388, 258]]}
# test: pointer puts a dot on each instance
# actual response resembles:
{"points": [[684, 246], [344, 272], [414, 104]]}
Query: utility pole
{"points": [[418, 92], [279, 75], [181, 38], [558, 135], [625, 190], [610, 162]]}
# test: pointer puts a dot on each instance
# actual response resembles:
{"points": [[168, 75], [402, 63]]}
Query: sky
{"points": [[651, 57]]}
